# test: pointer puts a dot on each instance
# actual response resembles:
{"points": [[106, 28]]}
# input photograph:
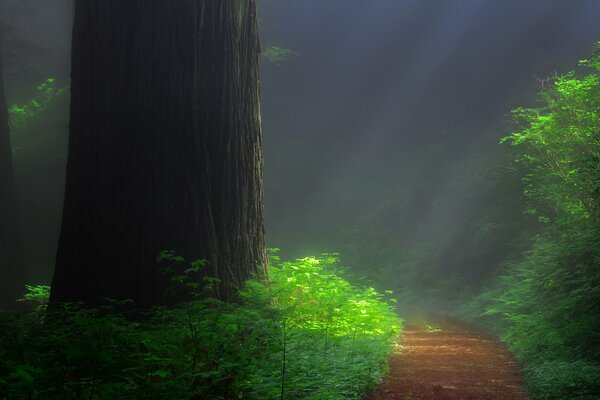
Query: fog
{"points": [[381, 135], [381, 130]]}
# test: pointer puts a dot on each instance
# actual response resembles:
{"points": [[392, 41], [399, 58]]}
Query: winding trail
{"points": [[456, 363]]}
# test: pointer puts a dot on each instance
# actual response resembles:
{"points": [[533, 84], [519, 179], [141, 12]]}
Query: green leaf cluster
{"points": [[559, 142], [22, 115]]}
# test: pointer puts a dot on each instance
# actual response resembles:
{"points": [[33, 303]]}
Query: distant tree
{"points": [[10, 259], [165, 148]]}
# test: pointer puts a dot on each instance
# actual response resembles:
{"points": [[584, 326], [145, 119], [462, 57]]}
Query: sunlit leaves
{"points": [[560, 142], [544, 305], [37, 294], [321, 299], [338, 335], [332, 337]]}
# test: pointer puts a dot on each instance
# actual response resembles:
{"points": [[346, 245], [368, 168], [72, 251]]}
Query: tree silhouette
{"points": [[165, 148]]}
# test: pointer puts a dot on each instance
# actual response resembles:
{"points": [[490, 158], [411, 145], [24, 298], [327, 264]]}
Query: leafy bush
{"points": [[305, 334], [545, 308], [574, 380], [545, 305]]}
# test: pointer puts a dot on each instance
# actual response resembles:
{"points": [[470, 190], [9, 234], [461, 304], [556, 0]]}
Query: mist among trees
{"points": [[299, 200]]}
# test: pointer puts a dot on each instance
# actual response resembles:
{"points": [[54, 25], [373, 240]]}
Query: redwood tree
{"points": [[165, 147], [11, 272]]}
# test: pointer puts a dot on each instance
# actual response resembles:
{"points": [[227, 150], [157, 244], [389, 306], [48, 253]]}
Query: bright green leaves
{"points": [[544, 303], [334, 337], [307, 333], [560, 142], [37, 294], [312, 290]]}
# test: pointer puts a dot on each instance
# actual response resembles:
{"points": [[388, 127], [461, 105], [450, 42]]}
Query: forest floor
{"points": [[450, 361]]}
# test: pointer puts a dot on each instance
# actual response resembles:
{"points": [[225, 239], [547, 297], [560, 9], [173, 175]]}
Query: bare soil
{"points": [[455, 363]]}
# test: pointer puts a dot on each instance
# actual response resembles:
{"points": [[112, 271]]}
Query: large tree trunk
{"points": [[11, 273], [165, 147]]}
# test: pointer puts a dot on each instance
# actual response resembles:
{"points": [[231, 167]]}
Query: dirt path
{"points": [[454, 363]]}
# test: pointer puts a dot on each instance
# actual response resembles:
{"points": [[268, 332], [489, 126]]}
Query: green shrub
{"points": [[573, 380], [305, 334], [545, 305]]}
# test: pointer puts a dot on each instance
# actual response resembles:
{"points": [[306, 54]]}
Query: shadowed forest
{"points": [[308, 199]]}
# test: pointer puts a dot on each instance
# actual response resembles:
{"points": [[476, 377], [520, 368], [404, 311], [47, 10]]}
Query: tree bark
{"points": [[165, 148], [11, 272]]}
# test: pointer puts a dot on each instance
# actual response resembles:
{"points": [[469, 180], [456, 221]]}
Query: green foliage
{"points": [[560, 144], [545, 308], [38, 294], [23, 115], [573, 380], [305, 334], [545, 305], [343, 333]]}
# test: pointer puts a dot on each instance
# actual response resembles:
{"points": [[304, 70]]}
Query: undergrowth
{"points": [[545, 304], [545, 308], [305, 334]]}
